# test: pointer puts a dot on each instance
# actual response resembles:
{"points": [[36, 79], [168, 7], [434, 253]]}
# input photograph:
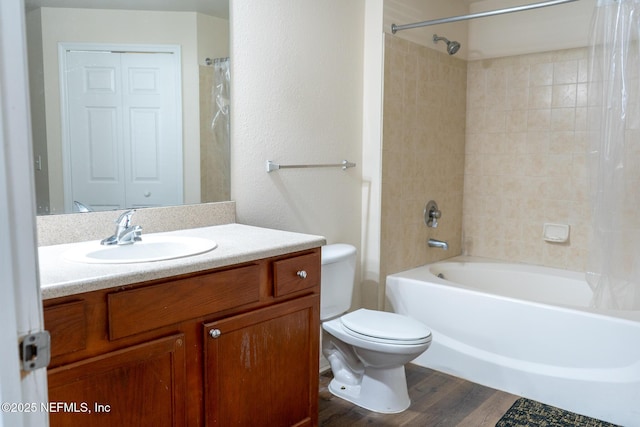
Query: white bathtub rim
{"points": [[482, 262], [398, 305]]}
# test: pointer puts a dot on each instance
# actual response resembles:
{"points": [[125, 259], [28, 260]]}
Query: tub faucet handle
{"points": [[431, 214]]}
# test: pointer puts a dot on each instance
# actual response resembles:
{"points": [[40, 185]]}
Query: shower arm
{"points": [[395, 28]]}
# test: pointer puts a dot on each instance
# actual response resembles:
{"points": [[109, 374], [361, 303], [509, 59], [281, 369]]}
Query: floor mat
{"points": [[529, 413]]}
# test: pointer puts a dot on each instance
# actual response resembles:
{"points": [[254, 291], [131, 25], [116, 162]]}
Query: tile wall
{"points": [[423, 152], [525, 158], [500, 144]]}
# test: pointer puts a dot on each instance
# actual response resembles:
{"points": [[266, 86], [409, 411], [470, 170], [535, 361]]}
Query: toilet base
{"points": [[381, 390]]}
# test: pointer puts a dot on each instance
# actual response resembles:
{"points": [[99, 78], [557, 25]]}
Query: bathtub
{"points": [[526, 330]]}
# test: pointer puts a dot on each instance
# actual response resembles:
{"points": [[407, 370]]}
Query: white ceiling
{"points": [[219, 8]]}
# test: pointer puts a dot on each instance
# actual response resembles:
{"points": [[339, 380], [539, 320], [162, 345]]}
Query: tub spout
{"points": [[433, 243]]}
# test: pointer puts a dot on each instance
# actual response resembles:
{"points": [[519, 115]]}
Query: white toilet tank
{"points": [[337, 277]]}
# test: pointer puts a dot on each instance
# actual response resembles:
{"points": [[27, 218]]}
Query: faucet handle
{"points": [[431, 214], [434, 214], [124, 220], [130, 235], [125, 233]]}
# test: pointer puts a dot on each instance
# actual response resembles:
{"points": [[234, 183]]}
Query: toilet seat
{"points": [[385, 327]]}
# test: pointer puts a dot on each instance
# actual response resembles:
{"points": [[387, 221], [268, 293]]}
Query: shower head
{"points": [[452, 46]]}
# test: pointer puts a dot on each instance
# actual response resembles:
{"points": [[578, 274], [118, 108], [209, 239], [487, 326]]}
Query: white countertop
{"points": [[237, 243]]}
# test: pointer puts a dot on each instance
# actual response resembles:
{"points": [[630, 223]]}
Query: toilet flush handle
{"points": [[302, 274]]}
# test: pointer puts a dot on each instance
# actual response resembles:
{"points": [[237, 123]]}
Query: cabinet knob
{"points": [[215, 333], [302, 274]]}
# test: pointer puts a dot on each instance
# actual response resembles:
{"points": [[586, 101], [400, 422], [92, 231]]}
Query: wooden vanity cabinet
{"points": [[261, 367], [144, 384], [232, 346]]}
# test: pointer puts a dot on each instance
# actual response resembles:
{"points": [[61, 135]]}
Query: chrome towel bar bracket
{"points": [[271, 166]]}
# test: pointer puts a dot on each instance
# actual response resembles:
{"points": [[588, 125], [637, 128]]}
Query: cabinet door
{"points": [[143, 385], [261, 368]]}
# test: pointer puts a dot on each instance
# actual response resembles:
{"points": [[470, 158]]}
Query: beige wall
{"points": [[525, 157], [297, 91], [213, 37], [423, 152]]}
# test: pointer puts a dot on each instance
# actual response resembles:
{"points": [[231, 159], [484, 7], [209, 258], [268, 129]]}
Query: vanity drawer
{"points": [[144, 309], [295, 274], [67, 325]]}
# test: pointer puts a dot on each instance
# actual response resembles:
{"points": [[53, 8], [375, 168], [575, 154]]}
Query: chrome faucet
{"points": [[433, 243], [125, 234]]}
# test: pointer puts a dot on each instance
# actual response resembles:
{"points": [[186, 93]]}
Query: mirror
{"points": [[201, 30]]}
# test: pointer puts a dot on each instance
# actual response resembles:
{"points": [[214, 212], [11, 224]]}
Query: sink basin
{"points": [[151, 248]]}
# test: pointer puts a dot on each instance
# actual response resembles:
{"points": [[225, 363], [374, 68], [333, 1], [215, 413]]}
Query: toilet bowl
{"points": [[368, 362], [367, 349]]}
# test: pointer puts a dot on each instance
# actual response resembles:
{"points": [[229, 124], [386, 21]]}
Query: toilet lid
{"points": [[385, 325]]}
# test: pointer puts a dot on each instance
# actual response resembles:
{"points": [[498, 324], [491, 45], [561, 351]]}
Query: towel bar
{"points": [[271, 166]]}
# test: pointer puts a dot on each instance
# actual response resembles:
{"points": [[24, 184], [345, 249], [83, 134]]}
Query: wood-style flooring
{"points": [[437, 399]]}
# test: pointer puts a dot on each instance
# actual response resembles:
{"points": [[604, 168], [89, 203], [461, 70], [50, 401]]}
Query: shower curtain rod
{"points": [[395, 27]]}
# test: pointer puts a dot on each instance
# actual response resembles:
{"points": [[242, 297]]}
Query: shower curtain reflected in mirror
{"points": [[215, 137], [613, 269]]}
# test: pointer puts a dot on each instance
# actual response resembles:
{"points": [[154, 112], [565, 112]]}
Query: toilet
{"points": [[367, 349]]}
